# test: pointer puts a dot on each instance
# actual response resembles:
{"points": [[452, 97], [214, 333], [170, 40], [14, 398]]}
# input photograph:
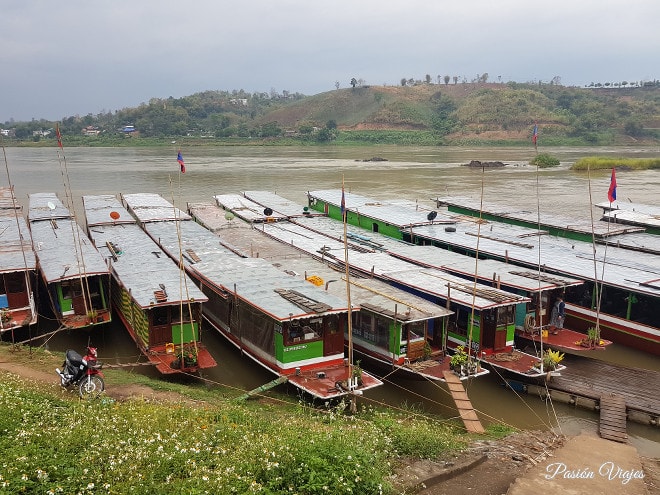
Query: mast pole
{"points": [[353, 407]]}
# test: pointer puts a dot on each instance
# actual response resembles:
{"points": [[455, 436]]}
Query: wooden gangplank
{"points": [[463, 404], [278, 381], [612, 424]]}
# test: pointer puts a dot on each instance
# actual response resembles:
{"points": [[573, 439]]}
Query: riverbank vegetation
{"points": [[201, 441], [599, 162], [417, 113]]}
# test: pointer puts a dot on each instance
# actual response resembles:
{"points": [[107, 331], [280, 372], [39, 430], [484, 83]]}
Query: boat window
{"points": [[160, 316], [295, 334], [462, 315], [332, 324], [580, 294], [364, 325], [506, 315], [382, 332], [413, 332], [14, 282], [644, 310], [181, 313]]}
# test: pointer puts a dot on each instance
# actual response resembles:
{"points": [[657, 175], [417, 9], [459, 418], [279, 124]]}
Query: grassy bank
{"points": [[203, 441], [599, 162]]}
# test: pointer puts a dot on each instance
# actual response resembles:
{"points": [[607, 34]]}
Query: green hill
{"points": [[462, 113]]}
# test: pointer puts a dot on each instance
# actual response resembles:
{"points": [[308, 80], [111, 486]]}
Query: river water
{"points": [[417, 174]]}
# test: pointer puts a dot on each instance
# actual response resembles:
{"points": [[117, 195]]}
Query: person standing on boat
{"points": [[557, 315]]}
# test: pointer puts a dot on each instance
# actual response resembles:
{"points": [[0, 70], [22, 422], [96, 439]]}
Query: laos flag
{"points": [[179, 159], [611, 193]]}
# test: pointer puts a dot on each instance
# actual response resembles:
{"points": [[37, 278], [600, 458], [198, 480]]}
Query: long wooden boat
{"points": [[631, 279], [391, 327], [284, 323], [75, 275], [18, 267], [158, 304], [571, 228], [489, 335]]}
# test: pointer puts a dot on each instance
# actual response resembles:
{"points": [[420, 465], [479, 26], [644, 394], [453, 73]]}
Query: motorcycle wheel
{"points": [[91, 387]]}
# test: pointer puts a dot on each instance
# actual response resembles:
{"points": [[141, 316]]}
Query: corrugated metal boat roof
{"points": [[378, 295], [650, 210], [387, 212], [141, 266], [600, 229], [647, 243], [8, 200], [254, 280], [279, 204], [631, 218], [62, 247], [149, 207], [495, 271], [625, 269], [46, 206], [16, 254], [384, 265], [511, 276], [434, 281], [246, 209], [105, 209]]}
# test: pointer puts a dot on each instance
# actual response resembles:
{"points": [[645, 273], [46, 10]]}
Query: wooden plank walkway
{"points": [[613, 418], [463, 404], [593, 379]]}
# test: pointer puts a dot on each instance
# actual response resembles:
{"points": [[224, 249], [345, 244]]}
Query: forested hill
{"points": [[461, 113]]}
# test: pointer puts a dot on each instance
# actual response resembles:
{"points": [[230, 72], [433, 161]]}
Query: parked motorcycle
{"points": [[82, 372]]}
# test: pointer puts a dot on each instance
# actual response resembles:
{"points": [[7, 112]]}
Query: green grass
{"points": [[51, 442], [597, 163]]}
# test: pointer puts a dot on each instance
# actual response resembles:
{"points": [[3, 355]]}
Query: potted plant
{"points": [[92, 315], [5, 315], [592, 340], [551, 359], [357, 372], [427, 351], [458, 360]]}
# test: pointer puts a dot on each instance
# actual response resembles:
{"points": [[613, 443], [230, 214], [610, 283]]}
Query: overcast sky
{"points": [[74, 57]]}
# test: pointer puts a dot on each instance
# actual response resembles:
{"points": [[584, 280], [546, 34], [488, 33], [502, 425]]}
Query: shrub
{"points": [[544, 160]]}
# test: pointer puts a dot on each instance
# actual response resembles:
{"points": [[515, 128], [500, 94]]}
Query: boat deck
{"points": [[329, 383], [514, 362], [436, 367], [565, 340]]}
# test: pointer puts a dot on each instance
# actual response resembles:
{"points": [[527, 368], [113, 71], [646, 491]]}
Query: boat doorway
{"points": [[333, 336], [492, 335]]}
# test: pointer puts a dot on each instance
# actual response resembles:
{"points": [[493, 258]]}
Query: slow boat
{"points": [[18, 267], [75, 276], [156, 301], [390, 326]]}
